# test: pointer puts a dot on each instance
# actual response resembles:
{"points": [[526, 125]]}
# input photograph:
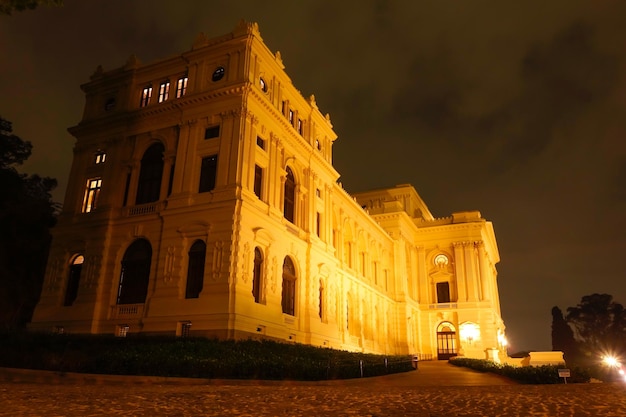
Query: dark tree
{"points": [[563, 336], [599, 324], [27, 213], [9, 6]]}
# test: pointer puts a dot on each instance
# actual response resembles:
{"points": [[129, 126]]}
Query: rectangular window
{"points": [[185, 328], [318, 224], [208, 174], [443, 292], [258, 180], [181, 86], [100, 157], [212, 132], [300, 129], [122, 330], [146, 94], [164, 91], [260, 142], [90, 201], [291, 117]]}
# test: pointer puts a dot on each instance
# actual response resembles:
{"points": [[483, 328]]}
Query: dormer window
{"points": [[146, 94], [100, 157], [181, 86], [164, 91]]}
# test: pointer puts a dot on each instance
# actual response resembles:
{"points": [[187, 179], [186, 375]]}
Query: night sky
{"points": [[515, 109]]}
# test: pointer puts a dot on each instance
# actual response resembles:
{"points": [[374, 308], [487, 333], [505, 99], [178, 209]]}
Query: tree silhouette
{"points": [[7, 7], [27, 213], [563, 336], [599, 324]]}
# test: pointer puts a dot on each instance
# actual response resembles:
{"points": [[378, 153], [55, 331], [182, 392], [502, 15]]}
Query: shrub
{"points": [[546, 374]]}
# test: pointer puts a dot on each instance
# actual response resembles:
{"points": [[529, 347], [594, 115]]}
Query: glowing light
{"points": [[611, 361], [470, 332]]}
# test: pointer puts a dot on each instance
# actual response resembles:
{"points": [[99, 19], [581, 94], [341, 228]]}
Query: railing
{"points": [[127, 311], [144, 209], [442, 305]]}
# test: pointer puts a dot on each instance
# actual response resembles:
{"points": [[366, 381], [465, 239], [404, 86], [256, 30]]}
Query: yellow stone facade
{"points": [[203, 201]]}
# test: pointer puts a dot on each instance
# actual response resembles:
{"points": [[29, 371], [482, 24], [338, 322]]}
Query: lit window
{"points": [[291, 117], [164, 91], [122, 330], [181, 86], [218, 74], [258, 180], [208, 174], [146, 94], [94, 185], [100, 157], [263, 85], [212, 132], [300, 129]]}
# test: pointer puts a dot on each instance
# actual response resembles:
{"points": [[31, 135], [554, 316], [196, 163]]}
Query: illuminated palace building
{"points": [[202, 201]]}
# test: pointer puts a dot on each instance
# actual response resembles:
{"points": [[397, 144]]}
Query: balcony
{"points": [[127, 311], [144, 209]]}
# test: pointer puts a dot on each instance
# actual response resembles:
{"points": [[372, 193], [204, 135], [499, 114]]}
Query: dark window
{"points": [[218, 74], [195, 270], [73, 280], [185, 329], [289, 287], [181, 86], [126, 190], [318, 224], [321, 312], [208, 173], [171, 181], [443, 292], [260, 142], [135, 275], [212, 132], [257, 275], [258, 180], [146, 94], [149, 186], [109, 104], [290, 196]]}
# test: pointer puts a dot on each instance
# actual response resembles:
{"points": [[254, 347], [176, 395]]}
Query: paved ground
{"points": [[436, 390]]}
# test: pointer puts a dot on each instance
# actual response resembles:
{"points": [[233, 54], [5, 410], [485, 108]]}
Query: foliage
{"points": [[546, 374], [599, 324], [7, 7], [27, 213], [563, 337], [190, 357]]}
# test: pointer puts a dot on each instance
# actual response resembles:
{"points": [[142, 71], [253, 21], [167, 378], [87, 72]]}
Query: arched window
{"points": [[289, 287], [446, 341], [290, 196], [149, 186], [321, 295], [257, 276], [135, 274], [195, 269], [73, 279]]}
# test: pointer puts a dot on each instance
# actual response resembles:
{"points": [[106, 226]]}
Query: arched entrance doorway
{"points": [[446, 341]]}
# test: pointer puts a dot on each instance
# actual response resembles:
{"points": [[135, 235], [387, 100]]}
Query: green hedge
{"points": [[190, 357], [546, 374]]}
